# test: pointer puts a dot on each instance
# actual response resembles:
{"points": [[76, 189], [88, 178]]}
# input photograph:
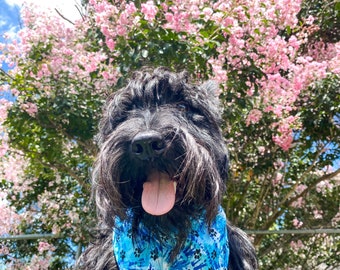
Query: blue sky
{"points": [[9, 22], [10, 12], [10, 25], [9, 19]]}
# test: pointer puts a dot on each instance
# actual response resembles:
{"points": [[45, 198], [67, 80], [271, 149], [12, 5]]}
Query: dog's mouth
{"points": [[159, 193]]}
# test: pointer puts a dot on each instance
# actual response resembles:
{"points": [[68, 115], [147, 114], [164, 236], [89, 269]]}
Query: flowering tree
{"points": [[279, 76]]}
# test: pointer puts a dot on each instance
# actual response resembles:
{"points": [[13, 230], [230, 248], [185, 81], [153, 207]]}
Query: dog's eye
{"points": [[182, 107]]}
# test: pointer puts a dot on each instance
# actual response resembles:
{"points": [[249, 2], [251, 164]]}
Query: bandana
{"points": [[205, 247]]}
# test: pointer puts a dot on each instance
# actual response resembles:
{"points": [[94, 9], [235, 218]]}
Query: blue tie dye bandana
{"points": [[205, 248]]}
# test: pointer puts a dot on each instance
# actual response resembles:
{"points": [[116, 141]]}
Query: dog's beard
{"points": [[188, 119], [163, 191], [183, 180]]}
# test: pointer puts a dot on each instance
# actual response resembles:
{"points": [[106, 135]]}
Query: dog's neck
{"points": [[205, 246]]}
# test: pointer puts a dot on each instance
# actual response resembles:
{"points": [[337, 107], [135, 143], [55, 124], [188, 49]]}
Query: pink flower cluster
{"points": [[236, 21], [149, 10], [253, 117], [9, 218], [44, 246], [114, 22], [30, 108], [297, 245], [277, 179], [318, 214], [66, 51], [274, 53], [297, 223], [324, 186], [12, 168]]}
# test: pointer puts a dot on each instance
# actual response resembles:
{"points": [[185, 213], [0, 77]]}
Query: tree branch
{"points": [[305, 173], [263, 193], [286, 204], [81, 14], [313, 185], [6, 74], [62, 16]]}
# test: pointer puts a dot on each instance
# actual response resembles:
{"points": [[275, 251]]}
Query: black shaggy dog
{"points": [[159, 179]]}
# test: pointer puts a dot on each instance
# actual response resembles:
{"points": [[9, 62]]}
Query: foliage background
{"points": [[278, 64]]}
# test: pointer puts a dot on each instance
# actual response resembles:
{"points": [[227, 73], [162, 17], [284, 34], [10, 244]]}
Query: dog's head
{"points": [[161, 149]]}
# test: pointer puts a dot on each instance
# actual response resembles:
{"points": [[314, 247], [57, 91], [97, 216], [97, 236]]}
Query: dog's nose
{"points": [[147, 145]]}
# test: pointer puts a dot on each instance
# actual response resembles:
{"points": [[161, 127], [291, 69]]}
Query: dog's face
{"points": [[161, 149]]}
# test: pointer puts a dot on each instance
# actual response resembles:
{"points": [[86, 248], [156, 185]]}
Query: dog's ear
{"points": [[212, 88], [213, 91], [223, 165]]}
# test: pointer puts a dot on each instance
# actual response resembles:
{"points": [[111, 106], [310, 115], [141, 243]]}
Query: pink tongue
{"points": [[159, 193]]}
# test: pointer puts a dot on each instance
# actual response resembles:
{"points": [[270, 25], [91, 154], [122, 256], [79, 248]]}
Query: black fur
{"points": [[180, 122]]}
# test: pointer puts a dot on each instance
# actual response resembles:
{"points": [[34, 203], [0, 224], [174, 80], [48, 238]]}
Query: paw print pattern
{"points": [[195, 233], [212, 233], [122, 254], [137, 252], [129, 233], [164, 238], [197, 254], [213, 254], [154, 254]]}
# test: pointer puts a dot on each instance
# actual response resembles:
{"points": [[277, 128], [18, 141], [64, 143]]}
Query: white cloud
{"points": [[65, 7], [12, 32], [2, 23], [12, 3]]}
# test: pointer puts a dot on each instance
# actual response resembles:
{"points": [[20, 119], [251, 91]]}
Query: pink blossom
{"points": [[300, 188], [150, 10], [228, 22], [294, 42], [336, 219], [284, 140], [261, 150], [277, 178], [219, 74], [299, 203], [207, 11], [130, 8], [4, 106], [4, 250], [309, 20], [297, 223], [296, 246], [3, 148], [177, 21], [324, 186], [30, 108], [44, 71], [44, 246], [278, 165], [9, 218], [254, 117], [121, 31], [318, 214]]}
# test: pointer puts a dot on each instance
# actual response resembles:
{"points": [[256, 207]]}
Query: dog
{"points": [[159, 178]]}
